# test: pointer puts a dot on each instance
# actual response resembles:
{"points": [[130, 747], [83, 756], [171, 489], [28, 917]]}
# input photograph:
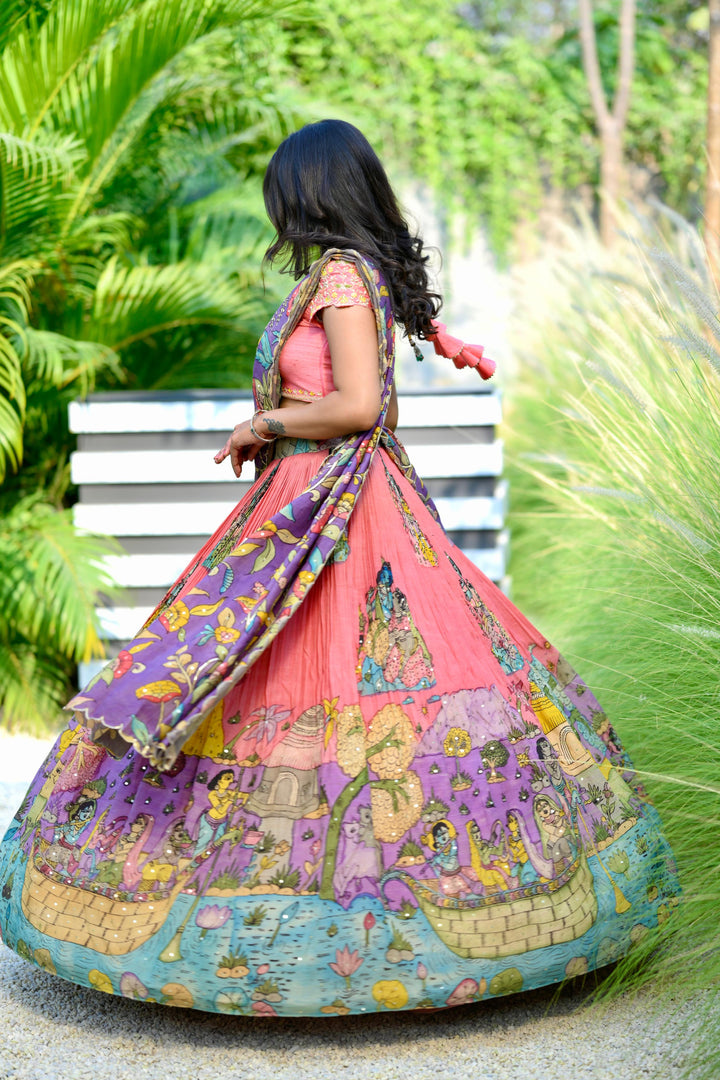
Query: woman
{"points": [[341, 650]]}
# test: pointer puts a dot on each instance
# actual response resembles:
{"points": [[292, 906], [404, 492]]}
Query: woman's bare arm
{"points": [[353, 406], [355, 403]]}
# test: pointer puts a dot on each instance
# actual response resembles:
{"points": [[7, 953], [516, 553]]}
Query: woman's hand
{"points": [[242, 446]]}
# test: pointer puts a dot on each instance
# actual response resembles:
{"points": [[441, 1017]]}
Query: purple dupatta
{"points": [[189, 655]]}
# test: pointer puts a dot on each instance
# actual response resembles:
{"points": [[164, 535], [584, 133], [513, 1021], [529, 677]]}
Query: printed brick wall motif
{"points": [[67, 913], [515, 926]]}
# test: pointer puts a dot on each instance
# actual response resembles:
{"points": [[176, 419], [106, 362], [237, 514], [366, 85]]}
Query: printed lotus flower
{"points": [[132, 987], [175, 617], [391, 725], [391, 993], [368, 923], [261, 1008], [465, 991], [346, 963], [212, 917], [263, 722]]}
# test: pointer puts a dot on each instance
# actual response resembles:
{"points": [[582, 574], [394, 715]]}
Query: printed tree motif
{"points": [[387, 748], [494, 755], [457, 744]]}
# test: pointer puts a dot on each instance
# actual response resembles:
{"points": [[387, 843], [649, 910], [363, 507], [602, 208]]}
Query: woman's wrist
{"points": [[256, 428], [268, 425]]}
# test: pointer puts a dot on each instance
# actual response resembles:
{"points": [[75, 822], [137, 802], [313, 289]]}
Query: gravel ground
{"points": [[54, 1030]]}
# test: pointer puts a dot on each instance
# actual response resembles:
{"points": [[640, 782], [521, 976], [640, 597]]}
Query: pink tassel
{"points": [[461, 354]]}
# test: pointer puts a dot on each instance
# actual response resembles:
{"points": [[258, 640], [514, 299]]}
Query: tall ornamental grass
{"points": [[614, 441]]}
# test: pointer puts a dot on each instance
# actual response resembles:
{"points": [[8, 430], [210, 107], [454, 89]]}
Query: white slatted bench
{"points": [[145, 474]]}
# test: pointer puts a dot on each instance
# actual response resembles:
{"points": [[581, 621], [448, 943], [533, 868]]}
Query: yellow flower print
{"points": [[176, 616], [225, 631], [345, 504], [391, 993]]}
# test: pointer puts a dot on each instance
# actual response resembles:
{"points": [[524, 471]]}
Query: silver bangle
{"points": [[257, 434]]}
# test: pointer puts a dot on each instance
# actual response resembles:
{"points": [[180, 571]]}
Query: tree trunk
{"points": [[612, 179], [712, 187], [610, 123]]}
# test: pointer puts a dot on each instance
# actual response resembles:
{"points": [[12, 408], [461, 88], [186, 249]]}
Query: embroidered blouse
{"points": [[304, 363]]}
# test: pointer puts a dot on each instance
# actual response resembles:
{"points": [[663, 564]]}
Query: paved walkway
{"points": [[54, 1030]]}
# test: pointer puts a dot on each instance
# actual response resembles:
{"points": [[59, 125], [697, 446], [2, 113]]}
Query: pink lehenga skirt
{"points": [[409, 801]]}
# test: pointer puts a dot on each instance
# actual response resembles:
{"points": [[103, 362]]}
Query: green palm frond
{"points": [[46, 155], [109, 231], [119, 119], [15, 280], [39, 64], [136, 303], [52, 575], [112, 103], [34, 684], [34, 175], [229, 227], [219, 360], [66, 364]]}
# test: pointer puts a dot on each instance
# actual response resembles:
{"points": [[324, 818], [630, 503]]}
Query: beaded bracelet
{"points": [[257, 433]]}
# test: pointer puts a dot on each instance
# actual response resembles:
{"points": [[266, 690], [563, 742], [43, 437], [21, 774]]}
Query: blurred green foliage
{"points": [[613, 439], [132, 138], [487, 103]]}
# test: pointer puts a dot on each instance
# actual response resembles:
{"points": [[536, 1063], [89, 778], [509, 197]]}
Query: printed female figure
{"points": [[277, 622], [526, 872], [556, 836]]}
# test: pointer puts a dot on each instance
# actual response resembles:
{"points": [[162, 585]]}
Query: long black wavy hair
{"points": [[325, 187]]}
